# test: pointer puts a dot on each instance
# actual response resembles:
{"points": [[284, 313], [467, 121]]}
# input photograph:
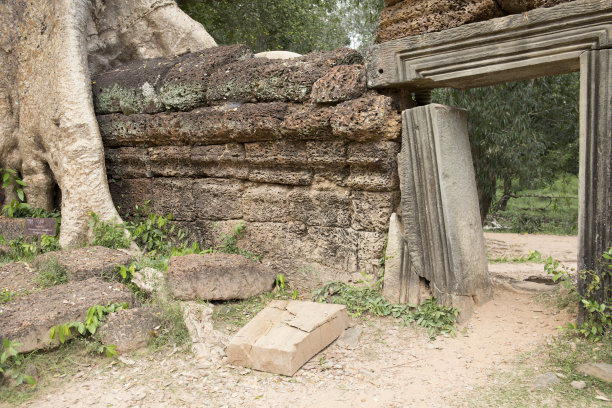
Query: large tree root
{"points": [[49, 49]]}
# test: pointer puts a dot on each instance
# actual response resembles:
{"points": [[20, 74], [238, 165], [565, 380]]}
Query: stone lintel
{"points": [[518, 47]]}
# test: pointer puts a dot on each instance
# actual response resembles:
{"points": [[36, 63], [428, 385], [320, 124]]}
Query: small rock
{"points": [[129, 329], [579, 385], [350, 338], [149, 280], [545, 380], [602, 371]]}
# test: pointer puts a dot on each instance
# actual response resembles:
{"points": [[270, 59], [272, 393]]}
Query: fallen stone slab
{"points": [[285, 335], [217, 276], [130, 329], [602, 371], [87, 262], [18, 278], [29, 319]]}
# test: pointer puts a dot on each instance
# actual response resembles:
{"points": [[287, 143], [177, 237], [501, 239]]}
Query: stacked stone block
{"points": [[298, 149]]}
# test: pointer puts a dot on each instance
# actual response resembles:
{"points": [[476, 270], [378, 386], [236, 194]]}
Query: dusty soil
{"points": [[392, 366]]}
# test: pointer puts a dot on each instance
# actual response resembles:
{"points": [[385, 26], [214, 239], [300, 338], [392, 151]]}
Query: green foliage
{"points": [[172, 327], [598, 320], [551, 209], [18, 209], [230, 243], [10, 179], [155, 233], [534, 256], [93, 321], [6, 295], [108, 234], [51, 274], [10, 359], [359, 300], [526, 131], [24, 249]]}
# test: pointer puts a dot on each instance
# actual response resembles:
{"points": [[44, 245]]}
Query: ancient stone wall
{"points": [[298, 149], [404, 18]]}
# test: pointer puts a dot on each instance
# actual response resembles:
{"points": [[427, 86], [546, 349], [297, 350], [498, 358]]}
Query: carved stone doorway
{"points": [[570, 37]]}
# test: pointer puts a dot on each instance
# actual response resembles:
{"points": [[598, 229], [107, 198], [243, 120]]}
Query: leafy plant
{"points": [[598, 320], [10, 359], [10, 178], [359, 300], [93, 321], [52, 273], [534, 256], [108, 234], [6, 295], [230, 243], [279, 282]]}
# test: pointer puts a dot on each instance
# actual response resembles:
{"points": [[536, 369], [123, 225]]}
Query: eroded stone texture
{"points": [[217, 276], [520, 6], [29, 319], [285, 335], [313, 174], [414, 17]]}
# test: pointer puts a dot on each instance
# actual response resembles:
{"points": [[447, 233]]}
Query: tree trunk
{"points": [[48, 130]]}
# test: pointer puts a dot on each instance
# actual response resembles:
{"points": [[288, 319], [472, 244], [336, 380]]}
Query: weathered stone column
{"points": [[595, 220], [442, 229]]}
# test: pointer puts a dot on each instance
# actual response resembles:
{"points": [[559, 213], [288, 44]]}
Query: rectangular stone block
{"points": [[11, 228], [371, 210], [128, 162], [224, 160], [174, 196], [322, 208], [285, 335], [128, 193], [281, 174], [219, 199], [326, 152], [171, 161], [277, 152], [266, 203]]}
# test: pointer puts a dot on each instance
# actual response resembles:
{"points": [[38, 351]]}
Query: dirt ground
{"points": [[392, 366]]}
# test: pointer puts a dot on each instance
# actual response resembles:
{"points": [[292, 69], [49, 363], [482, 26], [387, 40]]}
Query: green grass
{"points": [[532, 213], [236, 314], [533, 257]]}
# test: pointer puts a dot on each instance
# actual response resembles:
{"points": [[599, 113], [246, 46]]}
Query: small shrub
{"points": [[10, 359], [108, 234], [359, 300], [230, 243], [599, 315], [51, 274], [6, 295]]}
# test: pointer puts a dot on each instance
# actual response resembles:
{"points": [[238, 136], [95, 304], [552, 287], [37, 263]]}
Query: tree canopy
{"points": [[300, 26], [525, 131]]}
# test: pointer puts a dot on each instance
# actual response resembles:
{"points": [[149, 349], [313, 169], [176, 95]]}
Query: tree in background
{"points": [[300, 26], [525, 131]]}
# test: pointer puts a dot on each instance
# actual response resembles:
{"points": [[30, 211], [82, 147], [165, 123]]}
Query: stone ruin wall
{"points": [[298, 149], [404, 18]]}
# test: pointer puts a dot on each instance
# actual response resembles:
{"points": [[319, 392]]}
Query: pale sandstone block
{"points": [[285, 335]]}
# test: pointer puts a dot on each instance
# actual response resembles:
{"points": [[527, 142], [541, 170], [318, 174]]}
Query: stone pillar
{"points": [[441, 220], [595, 219]]}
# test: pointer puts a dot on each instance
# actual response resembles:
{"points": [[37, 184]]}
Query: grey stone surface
{"points": [[495, 51], [601, 371], [443, 233], [350, 338], [208, 345], [217, 276], [545, 380], [578, 385]]}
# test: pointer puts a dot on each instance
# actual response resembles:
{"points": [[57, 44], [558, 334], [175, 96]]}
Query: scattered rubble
{"points": [[130, 329]]}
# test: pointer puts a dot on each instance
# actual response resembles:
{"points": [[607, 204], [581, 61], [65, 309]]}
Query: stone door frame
{"points": [[570, 37]]}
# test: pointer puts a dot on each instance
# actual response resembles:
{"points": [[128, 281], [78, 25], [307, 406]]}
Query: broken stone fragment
{"points": [[217, 276], [29, 319], [602, 371], [285, 335], [207, 344], [130, 329], [341, 83]]}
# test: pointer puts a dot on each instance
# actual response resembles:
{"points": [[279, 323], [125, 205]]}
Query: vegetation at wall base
{"points": [[369, 299]]}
